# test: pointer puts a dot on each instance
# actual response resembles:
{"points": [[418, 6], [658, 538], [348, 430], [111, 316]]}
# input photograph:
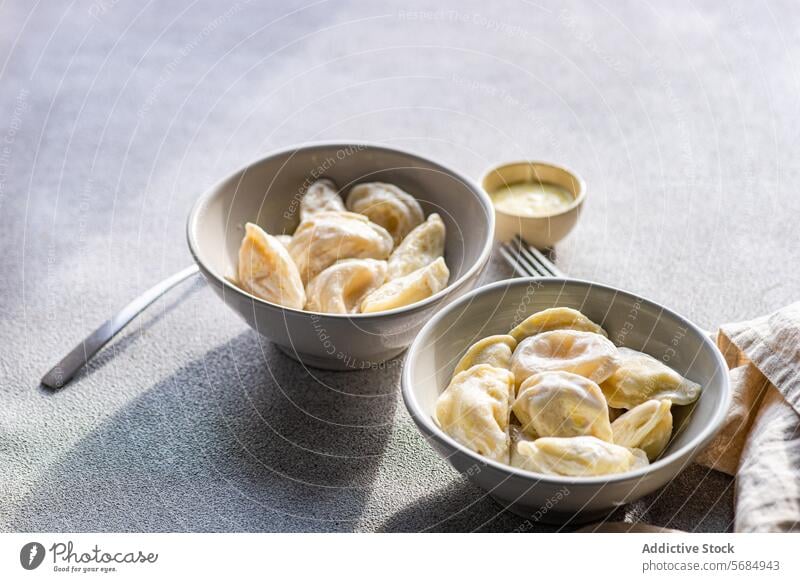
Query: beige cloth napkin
{"points": [[760, 441]]}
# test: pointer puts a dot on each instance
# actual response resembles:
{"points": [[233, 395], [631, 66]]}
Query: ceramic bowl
{"points": [[268, 192], [630, 321], [540, 231]]}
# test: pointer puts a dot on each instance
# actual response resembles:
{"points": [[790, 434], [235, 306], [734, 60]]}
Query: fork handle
{"points": [[60, 374]]}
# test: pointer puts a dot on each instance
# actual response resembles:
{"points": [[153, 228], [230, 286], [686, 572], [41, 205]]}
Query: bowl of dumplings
{"points": [[339, 253], [564, 399]]}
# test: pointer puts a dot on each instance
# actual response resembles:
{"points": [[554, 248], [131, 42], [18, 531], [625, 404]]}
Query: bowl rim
{"points": [[477, 189], [577, 201], [425, 421]]}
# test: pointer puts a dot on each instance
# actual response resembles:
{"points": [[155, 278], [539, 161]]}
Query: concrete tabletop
{"points": [[115, 116]]}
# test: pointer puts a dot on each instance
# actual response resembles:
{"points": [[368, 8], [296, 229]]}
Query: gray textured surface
{"points": [[115, 115]]}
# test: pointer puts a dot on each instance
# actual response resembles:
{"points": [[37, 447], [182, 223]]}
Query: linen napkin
{"points": [[760, 440], [759, 443]]}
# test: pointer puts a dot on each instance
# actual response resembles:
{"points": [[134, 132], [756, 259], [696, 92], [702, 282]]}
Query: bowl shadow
{"points": [[226, 443]]}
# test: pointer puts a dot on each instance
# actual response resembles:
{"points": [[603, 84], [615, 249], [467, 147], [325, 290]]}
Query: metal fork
{"points": [[60, 374], [527, 260]]}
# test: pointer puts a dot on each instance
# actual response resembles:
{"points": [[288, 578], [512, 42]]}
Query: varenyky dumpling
{"points": [[386, 204], [342, 287], [517, 435], [420, 247], [555, 318], [327, 237], [581, 352], [647, 427], [582, 456], [494, 350], [561, 404], [321, 196], [267, 271], [414, 287], [475, 410], [641, 377]]}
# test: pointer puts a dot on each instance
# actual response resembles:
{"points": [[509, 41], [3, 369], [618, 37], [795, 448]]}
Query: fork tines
{"points": [[527, 260]]}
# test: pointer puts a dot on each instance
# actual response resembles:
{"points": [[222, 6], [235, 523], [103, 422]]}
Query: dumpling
{"points": [[494, 350], [284, 239], [267, 271], [561, 404], [341, 287], [581, 352], [647, 427], [641, 377], [583, 456], [321, 196], [327, 237], [475, 409], [394, 209], [420, 247], [555, 318], [414, 287], [516, 436]]}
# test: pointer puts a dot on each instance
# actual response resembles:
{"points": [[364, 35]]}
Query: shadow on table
{"points": [[459, 507], [698, 499], [227, 443], [247, 439]]}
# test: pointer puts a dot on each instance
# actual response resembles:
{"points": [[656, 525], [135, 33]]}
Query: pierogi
{"points": [[475, 409], [647, 427], [494, 350], [342, 287], [555, 318], [640, 377], [267, 271], [587, 354], [327, 237], [567, 413], [581, 456], [562, 404], [343, 262], [321, 196], [387, 205], [421, 247], [517, 435], [412, 288]]}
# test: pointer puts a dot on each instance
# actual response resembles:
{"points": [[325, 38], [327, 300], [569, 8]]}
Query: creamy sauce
{"points": [[532, 199]]}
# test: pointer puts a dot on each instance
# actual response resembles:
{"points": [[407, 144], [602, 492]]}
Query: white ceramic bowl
{"points": [[630, 321], [268, 191]]}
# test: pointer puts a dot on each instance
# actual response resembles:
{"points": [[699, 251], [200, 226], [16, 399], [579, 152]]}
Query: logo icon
{"points": [[31, 555]]}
